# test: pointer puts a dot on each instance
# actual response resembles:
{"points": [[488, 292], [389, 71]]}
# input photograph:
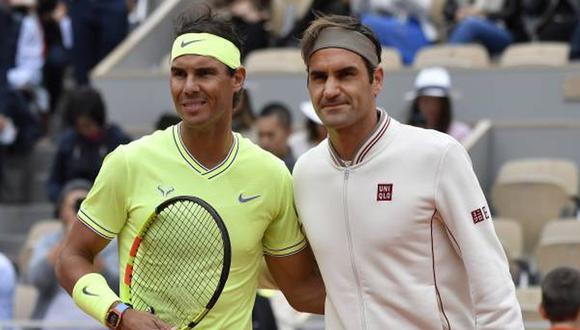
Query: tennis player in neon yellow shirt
{"points": [[201, 156]]}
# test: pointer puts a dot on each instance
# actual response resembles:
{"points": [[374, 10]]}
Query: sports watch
{"points": [[113, 319]]}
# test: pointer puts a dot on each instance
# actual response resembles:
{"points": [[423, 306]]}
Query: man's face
{"points": [[202, 90], [430, 107], [340, 89], [272, 136]]}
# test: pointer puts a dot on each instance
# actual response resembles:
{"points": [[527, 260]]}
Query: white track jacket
{"points": [[403, 235]]}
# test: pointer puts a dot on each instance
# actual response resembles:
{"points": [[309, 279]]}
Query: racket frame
{"points": [[127, 279]]}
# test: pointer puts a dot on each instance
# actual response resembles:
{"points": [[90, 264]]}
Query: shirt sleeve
{"points": [[284, 236], [105, 208], [465, 212]]}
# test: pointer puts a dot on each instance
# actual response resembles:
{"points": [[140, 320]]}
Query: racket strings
{"points": [[178, 265]]}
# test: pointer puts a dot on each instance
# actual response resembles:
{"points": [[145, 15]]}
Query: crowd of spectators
{"points": [[39, 54], [50, 45], [48, 48], [409, 25]]}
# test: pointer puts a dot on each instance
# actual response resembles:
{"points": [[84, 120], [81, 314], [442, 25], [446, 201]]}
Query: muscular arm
{"points": [[298, 277], [76, 258]]}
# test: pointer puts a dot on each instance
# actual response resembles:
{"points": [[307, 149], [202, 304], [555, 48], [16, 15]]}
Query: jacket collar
{"points": [[367, 144]]}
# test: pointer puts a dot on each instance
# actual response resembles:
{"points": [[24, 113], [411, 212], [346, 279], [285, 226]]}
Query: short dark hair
{"points": [[345, 22], [561, 294], [85, 101], [281, 112], [243, 116], [70, 186], [200, 18], [45, 7]]}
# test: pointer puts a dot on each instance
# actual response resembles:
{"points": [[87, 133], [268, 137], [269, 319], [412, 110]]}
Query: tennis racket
{"points": [[179, 262]]}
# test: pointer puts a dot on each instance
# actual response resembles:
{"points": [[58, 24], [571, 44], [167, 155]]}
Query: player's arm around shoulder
{"points": [[76, 257], [287, 253], [298, 277]]}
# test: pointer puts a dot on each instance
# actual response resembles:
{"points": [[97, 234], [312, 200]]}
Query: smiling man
{"points": [[395, 214], [250, 189]]}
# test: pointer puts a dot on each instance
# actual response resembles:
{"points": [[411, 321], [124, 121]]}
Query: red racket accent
{"points": [[128, 274], [135, 246]]}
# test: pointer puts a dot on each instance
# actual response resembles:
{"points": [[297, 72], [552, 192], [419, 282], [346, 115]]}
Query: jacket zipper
{"points": [[350, 243]]}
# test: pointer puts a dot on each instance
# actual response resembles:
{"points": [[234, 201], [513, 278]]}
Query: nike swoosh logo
{"points": [[185, 44], [243, 199], [85, 291]]}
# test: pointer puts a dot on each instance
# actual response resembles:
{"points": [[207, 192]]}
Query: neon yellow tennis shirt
{"points": [[251, 190]]}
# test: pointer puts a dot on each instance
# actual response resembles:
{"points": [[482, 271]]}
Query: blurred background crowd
{"points": [[56, 127]]}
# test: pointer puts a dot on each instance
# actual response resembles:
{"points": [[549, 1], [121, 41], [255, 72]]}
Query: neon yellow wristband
{"points": [[93, 295]]}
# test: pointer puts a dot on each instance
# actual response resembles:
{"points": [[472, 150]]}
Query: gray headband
{"points": [[336, 37]]}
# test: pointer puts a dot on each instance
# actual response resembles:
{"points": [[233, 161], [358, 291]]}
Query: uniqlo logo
{"points": [[477, 215], [384, 192]]}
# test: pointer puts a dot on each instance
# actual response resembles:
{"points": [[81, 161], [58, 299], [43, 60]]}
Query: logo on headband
{"points": [[217, 47], [185, 44]]}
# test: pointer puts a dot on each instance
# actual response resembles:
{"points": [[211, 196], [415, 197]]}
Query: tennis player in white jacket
{"points": [[394, 214]]}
